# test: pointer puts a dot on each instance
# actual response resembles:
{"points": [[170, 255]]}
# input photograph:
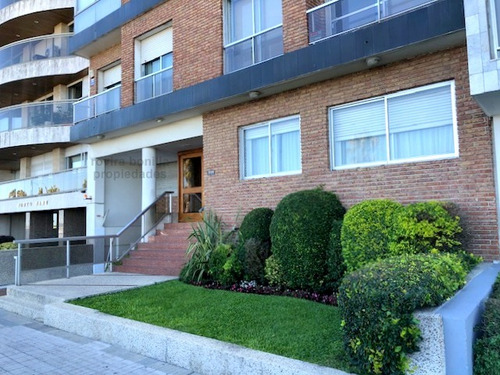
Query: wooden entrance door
{"points": [[190, 185]]}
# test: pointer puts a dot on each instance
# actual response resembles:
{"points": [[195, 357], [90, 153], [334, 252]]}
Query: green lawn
{"points": [[291, 327]]}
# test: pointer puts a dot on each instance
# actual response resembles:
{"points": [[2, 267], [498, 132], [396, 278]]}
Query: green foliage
{"points": [[218, 259], [366, 232], [206, 237], [487, 348], [272, 271], [256, 253], [300, 234], [425, 227], [8, 246], [256, 224], [334, 260], [377, 302]]}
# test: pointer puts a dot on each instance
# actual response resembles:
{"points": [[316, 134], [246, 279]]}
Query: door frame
{"points": [[193, 216]]}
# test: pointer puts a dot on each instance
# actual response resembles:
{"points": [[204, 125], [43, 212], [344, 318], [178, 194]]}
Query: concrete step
{"points": [[28, 309], [24, 294]]}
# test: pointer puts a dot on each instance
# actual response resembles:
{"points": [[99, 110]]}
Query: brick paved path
{"points": [[29, 347]]}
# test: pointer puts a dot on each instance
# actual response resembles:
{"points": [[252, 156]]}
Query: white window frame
{"points": [[83, 159], [388, 160], [269, 135]]}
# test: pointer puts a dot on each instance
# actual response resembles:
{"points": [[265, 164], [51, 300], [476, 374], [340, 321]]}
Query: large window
{"points": [[154, 65], [271, 148], [254, 32], [494, 27], [417, 124]]}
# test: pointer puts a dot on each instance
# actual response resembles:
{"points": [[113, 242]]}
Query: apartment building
{"points": [[42, 172]]}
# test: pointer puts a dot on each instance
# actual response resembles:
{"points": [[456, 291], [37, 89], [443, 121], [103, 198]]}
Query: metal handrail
{"points": [[111, 237]]}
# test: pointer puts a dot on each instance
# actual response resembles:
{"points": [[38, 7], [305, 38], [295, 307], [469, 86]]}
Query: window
{"points": [[271, 148], [155, 65], [254, 32], [76, 161], [494, 28], [75, 91], [418, 124]]}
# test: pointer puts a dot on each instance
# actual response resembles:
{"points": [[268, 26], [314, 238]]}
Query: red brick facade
{"points": [[467, 181]]}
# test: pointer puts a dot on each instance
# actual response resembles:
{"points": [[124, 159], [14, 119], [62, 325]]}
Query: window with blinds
{"points": [[271, 148], [417, 124]]}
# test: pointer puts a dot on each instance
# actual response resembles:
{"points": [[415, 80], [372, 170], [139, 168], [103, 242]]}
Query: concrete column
{"points": [[58, 160], [27, 225], [60, 92], [25, 167], [148, 184]]}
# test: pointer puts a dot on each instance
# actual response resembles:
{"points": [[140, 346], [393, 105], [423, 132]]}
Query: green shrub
{"points": [[334, 260], [256, 224], [377, 302], [256, 253], [425, 227], [366, 232], [272, 271], [300, 233], [8, 246], [218, 259], [205, 239], [487, 356]]}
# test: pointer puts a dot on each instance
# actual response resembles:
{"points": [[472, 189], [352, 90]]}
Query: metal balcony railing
{"points": [[34, 49], [97, 105], [60, 182], [338, 16], [153, 85], [37, 114]]}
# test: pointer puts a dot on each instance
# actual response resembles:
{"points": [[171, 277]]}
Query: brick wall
{"points": [[467, 180], [101, 60], [197, 42]]}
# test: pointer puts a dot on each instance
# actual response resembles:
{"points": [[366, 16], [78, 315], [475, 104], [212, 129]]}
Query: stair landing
{"points": [[163, 254]]}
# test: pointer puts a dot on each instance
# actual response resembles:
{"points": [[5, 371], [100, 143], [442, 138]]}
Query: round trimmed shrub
{"points": [[425, 227], [378, 300], [256, 224], [366, 232], [334, 260], [300, 235]]}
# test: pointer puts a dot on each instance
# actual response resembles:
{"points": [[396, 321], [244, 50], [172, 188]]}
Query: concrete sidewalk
{"points": [[45, 302]]}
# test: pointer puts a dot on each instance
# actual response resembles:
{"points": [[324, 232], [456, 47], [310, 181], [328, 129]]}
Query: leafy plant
{"points": [[256, 253], [366, 232], [204, 240], [256, 224], [377, 302], [334, 259], [8, 246], [300, 234], [425, 227], [273, 273]]}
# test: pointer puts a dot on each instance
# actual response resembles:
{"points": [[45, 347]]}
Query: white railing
{"points": [[338, 16], [253, 49], [34, 49], [37, 114], [153, 85], [60, 182], [97, 105]]}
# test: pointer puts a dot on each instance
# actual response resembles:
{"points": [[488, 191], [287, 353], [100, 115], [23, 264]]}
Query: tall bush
{"points": [[334, 259], [300, 234], [425, 227], [366, 232]]}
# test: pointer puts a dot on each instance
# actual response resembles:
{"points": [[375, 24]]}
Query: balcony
{"points": [[88, 12], [34, 49], [153, 85], [254, 49], [339, 16], [61, 182], [6, 3], [38, 114], [97, 105]]}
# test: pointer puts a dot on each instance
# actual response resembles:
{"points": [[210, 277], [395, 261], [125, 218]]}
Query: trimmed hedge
{"points": [[300, 234], [487, 348], [367, 231], [256, 224], [425, 227], [377, 302], [334, 260]]}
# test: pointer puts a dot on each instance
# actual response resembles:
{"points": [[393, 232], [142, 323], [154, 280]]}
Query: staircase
{"points": [[163, 254]]}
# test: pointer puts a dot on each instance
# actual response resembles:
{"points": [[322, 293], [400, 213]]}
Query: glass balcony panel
{"points": [[238, 56], [89, 12], [153, 85], [269, 45], [61, 182], [96, 105], [50, 113], [40, 48], [339, 16]]}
